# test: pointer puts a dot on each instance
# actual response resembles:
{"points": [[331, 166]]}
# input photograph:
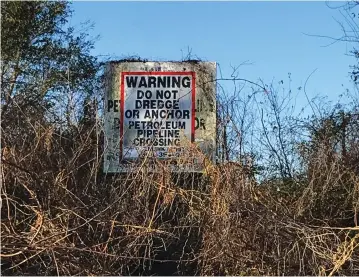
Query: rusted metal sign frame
{"points": [[203, 95]]}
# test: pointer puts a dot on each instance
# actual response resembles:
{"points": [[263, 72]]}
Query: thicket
{"points": [[281, 199]]}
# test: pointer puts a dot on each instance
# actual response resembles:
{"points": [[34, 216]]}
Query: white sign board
{"points": [[159, 111]]}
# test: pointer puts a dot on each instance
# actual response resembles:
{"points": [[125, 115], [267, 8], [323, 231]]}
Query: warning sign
{"points": [[158, 112]]}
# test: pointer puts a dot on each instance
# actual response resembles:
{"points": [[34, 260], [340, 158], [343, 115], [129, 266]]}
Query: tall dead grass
{"points": [[62, 216]]}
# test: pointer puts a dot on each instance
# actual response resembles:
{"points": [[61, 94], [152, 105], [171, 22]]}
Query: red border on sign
{"points": [[122, 97]]}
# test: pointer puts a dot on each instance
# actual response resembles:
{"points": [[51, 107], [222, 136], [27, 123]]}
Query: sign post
{"points": [[158, 111]]}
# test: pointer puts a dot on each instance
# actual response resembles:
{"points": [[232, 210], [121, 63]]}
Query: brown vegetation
{"points": [[62, 215]]}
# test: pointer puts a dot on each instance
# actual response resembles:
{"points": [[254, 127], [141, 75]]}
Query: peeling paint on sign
{"points": [[156, 110]]}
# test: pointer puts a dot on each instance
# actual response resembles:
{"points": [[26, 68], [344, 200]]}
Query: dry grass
{"points": [[62, 216]]}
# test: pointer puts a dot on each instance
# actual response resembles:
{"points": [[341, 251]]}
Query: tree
{"points": [[351, 34], [46, 67]]}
